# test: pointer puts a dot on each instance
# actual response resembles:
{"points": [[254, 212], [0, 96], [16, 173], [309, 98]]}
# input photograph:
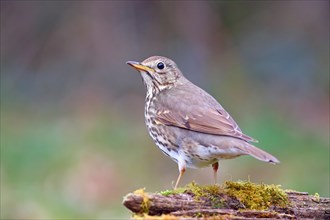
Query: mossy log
{"points": [[209, 203]]}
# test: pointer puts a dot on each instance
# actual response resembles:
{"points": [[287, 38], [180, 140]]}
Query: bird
{"points": [[187, 123]]}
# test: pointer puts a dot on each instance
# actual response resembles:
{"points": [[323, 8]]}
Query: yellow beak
{"points": [[139, 66]]}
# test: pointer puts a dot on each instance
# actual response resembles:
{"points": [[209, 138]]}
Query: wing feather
{"points": [[203, 114], [210, 121]]}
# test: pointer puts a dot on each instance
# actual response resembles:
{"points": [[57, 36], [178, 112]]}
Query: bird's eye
{"points": [[160, 65]]}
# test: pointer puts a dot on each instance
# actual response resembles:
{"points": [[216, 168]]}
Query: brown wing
{"points": [[205, 120]]}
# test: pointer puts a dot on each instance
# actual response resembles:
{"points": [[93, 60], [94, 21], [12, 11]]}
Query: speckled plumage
{"points": [[187, 123]]}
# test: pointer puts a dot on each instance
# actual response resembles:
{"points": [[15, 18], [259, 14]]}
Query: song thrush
{"points": [[187, 123]]}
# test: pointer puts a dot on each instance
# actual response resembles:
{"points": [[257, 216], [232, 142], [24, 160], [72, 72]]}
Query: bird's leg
{"points": [[182, 170], [215, 167]]}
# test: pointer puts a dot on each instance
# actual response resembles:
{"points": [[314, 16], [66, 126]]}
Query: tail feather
{"points": [[260, 154]]}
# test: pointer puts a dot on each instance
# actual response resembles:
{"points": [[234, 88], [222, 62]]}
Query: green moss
{"points": [[210, 193], [145, 205], [256, 196], [251, 195], [202, 191], [241, 194], [316, 197], [247, 194], [153, 217], [172, 192]]}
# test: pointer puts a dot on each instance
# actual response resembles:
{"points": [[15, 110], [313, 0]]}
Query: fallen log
{"points": [[233, 200]]}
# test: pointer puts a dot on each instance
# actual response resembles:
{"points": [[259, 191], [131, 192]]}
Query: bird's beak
{"points": [[139, 66]]}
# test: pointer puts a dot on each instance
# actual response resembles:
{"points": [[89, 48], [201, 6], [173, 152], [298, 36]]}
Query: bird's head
{"points": [[158, 72]]}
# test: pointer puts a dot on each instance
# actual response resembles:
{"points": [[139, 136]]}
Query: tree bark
{"points": [[301, 205]]}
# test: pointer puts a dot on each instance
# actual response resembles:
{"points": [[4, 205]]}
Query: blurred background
{"points": [[73, 138]]}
